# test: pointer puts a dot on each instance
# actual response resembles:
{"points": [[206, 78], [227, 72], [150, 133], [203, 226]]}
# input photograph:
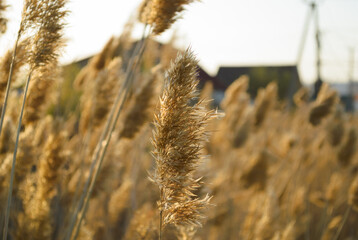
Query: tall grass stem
{"points": [[3, 110], [9, 197]]}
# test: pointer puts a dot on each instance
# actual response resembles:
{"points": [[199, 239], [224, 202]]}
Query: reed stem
{"points": [[9, 197], [105, 139], [161, 215], [3, 110], [345, 218]]}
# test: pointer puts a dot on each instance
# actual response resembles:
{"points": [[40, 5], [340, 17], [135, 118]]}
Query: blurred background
{"points": [[307, 40]]}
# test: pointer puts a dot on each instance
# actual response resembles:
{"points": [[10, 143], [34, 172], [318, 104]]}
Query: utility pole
{"points": [[312, 13], [318, 83], [350, 103]]}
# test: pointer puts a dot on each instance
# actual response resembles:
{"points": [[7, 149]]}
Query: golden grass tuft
{"points": [[178, 139], [276, 173], [353, 194], [3, 20], [140, 109], [323, 105], [264, 101], [348, 147], [5, 62], [255, 172], [39, 93], [161, 14]]}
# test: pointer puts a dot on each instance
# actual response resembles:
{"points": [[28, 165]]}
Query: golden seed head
{"points": [[161, 14], [48, 38], [3, 20], [178, 139], [322, 107], [353, 194]]}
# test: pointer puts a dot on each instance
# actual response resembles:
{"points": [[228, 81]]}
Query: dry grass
{"points": [[272, 173]]}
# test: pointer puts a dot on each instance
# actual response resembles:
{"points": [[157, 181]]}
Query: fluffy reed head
{"points": [[49, 167], [255, 172], [333, 188], [140, 108], [236, 121], [142, 225], [323, 105], [106, 84], [39, 93], [178, 139], [233, 92], [5, 62], [3, 20], [31, 14], [301, 97], [161, 14], [96, 64], [335, 128], [348, 148], [264, 101], [353, 194], [48, 39]]}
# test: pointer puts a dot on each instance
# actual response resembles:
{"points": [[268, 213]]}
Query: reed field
{"points": [[129, 147]]}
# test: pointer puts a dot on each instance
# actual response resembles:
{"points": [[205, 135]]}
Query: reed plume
{"points": [[44, 50], [332, 228], [32, 12], [237, 121], [255, 172], [348, 148], [26, 157], [264, 101], [31, 15], [119, 201], [333, 188], [50, 165], [39, 93], [234, 91], [140, 108], [37, 208], [3, 20], [5, 63], [335, 128], [48, 40], [106, 84], [178, 139], [323, 105], [96, 64], [301, 97], [161, 14], [142, 226], [353, 194]]}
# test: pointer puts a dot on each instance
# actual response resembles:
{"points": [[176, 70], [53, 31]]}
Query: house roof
{"points": [[228, 74]]}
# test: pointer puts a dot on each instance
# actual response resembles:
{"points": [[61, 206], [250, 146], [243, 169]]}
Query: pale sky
{"points": [[223, 32]]}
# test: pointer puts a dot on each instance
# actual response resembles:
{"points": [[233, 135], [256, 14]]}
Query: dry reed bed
{"points": [[272, 173]]}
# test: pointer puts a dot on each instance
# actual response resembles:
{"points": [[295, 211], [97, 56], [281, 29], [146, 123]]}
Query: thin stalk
{"points": [[161, 215], [127, 86], [102, 142], [9, 197], [345, 218], [9, 82], [93, 165]]}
